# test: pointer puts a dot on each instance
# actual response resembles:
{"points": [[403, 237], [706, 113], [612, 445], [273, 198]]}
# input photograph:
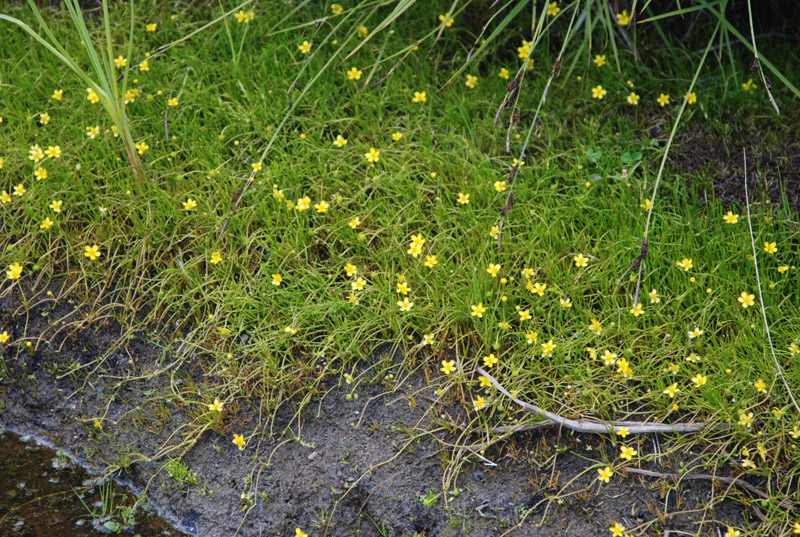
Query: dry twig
{"points": [[583, 425]]}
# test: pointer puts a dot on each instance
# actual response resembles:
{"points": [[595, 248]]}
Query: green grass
{"points": [[156, 271]]}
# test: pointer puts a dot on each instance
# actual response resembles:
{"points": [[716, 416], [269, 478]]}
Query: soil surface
{"points": [[372, 466]]}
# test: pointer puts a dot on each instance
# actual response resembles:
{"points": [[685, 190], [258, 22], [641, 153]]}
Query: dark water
{"points": [[43, 495]]}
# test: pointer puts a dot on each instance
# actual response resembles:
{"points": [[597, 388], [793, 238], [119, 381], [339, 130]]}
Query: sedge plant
{"points": [[101, 80]]}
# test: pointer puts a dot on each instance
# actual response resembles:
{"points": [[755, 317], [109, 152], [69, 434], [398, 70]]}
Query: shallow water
{"points": [[43, 494]]}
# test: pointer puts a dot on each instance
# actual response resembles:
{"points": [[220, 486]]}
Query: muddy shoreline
{"points": [[372, 465]]}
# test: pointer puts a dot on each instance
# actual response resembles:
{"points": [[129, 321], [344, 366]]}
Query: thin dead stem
{"points": [[760, 293]]}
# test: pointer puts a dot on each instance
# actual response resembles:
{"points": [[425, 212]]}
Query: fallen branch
{"points": [[602, 427]]}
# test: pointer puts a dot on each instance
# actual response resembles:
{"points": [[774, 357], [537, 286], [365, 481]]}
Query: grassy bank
{"points": [[373, 218]]}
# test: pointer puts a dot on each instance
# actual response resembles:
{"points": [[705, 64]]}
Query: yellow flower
{"points": [[770, 247], [638, 310], [20, 190], [92, 252], [152, 27], [305, 48], [57, 94], [598, 92], [427, 339], [35, 153], [622, 432], [489, 361], [189, 204], [623, 18], [732, 532], [524, 50], [654, 298], [40, 173], [277, 279], [595, 326], [448, 366], [691, 98], [685, 263], [322, 206], [746, 300], [730, 218], [290, 330], [484, 382], [580, 260], [524, 315], [92, 96], [373, 155], [605, 474], [46, 223], [419, 97], [44, 118], [782, 269], [478, 311], [493, 269], [430, 261], [671, 390], [354, 74], [695, 333], [144, 66], [565, 302], [358, 284], [93, 132], [141, 147], [448, 22], [747, 86], [340, 141], [760, 386], [397, 136], [609, 358], [337, 9], [548, 348], [216, 406], [632, 99], [599, 60], [663, 100], [4, 337], [699, 380], [617, 529], [119, 61], [503, 73], [216, 258], [794, 349], [303, 203], [405, 304], [239, 441], [472, 81], [53, 151], [538, 288], [172, 102], [479, 403], [553, 9], [56, 205], [14, 271], [4, 197], [463, 198], [299, 533], [627, 453], [362, 31]]}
